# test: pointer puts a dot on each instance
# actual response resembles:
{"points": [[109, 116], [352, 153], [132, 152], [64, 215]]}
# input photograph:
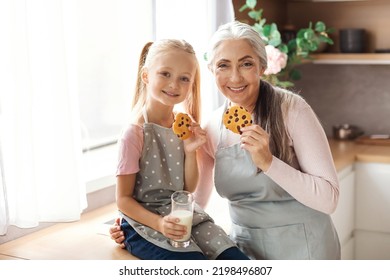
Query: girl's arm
{"points": [[191, 171], [131, 208]]}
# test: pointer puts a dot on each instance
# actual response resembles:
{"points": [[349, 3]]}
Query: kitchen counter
{"points": [[347, 152]]}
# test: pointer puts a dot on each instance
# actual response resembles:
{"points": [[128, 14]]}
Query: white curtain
{"points": [[40, 143], [41, 152], [224, 13]]}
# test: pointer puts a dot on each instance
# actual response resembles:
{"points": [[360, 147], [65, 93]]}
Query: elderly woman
{"points": [[277, 174]]}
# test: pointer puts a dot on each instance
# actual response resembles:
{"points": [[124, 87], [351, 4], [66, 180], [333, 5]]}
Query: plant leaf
{"points": [[251, 3], [256, 15], [295, 74], [320, 26], [325, 39], [283, 48], [285, 84], [243, 8], [301, 33], [309, 34]]}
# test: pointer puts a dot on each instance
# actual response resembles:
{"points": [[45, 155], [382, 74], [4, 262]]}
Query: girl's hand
{"points": [[168, 227], [197, 139], [255, 140]]}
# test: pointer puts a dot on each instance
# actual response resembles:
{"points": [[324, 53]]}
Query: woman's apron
{"points": [[161, 174], [267, 222]]}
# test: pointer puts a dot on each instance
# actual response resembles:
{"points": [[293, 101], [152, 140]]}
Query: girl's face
{"points": [[170, 77], [237, 72]]}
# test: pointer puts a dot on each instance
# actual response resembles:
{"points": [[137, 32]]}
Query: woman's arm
{"points": [[206, 181], [315, 184], [206, 158], [191, 146]]}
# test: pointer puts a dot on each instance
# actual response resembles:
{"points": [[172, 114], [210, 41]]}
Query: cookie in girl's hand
{"points": [[236, 117], [181, 126]]}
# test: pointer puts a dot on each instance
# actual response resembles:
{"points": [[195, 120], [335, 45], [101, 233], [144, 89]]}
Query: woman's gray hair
{"points": [[237, 30]]}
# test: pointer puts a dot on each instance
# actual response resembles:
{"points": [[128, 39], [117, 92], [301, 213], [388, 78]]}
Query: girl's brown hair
{"points": [[148, 53]]}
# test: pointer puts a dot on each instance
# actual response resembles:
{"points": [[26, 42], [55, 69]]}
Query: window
{"points": [[110, 42]]}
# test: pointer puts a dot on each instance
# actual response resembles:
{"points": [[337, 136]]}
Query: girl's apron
{"points": [[267, 222], [161, 174]]}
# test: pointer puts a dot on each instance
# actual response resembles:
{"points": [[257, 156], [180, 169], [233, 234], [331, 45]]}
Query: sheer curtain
{"points": [[40, 130], [42, 177]]}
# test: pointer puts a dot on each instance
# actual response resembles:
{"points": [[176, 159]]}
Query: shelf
{"points": [[353, 58]]}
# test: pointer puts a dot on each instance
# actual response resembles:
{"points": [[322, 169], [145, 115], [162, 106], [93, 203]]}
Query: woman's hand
{"points": [[198, 138], [255, 140], [168, 227], [117, 234]]}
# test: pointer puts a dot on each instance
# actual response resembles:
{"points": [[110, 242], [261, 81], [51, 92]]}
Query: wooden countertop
{"points": [[346, 152]]}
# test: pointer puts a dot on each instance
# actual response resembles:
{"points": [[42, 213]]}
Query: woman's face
{"points": [[237, 72]]}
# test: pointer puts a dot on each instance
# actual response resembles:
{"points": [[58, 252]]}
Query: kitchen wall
{"points": [[354, 94]]}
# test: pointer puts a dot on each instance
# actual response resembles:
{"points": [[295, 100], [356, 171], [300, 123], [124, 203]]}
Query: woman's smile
{"points": [[237, 89]]}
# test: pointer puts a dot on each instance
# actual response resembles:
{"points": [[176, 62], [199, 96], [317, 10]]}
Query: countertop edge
{"points": [[347, 152]]}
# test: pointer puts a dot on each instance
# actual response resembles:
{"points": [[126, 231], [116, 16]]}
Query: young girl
{"points": [[154, 162]]}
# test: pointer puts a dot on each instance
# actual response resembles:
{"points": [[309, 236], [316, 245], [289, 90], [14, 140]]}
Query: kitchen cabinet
{"points": [[372, 228], [371, 15], [325, 0], [344, 216], [370, 245], [373, 196]]}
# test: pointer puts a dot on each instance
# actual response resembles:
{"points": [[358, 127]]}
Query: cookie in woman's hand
{"points": [[236, 117], [181, 126]]}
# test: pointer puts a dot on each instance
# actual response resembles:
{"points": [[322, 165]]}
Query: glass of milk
{"points": [[183, 208]]}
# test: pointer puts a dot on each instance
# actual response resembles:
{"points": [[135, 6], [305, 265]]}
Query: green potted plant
{"points": [[283, 57]]}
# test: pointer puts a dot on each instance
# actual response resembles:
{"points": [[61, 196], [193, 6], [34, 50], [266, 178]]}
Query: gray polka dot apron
{"points": [[161, 174], [267, 222]]}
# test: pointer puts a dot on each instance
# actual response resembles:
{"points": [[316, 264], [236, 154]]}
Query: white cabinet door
{"points": [[348, 250], [344, 216], [371, 245], [373, 197]]}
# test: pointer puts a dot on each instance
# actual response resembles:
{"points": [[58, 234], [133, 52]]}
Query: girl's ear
{"points": [[144, 76]]}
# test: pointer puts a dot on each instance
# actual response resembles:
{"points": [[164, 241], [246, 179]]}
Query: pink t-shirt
{"points": [[130, 149]]}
